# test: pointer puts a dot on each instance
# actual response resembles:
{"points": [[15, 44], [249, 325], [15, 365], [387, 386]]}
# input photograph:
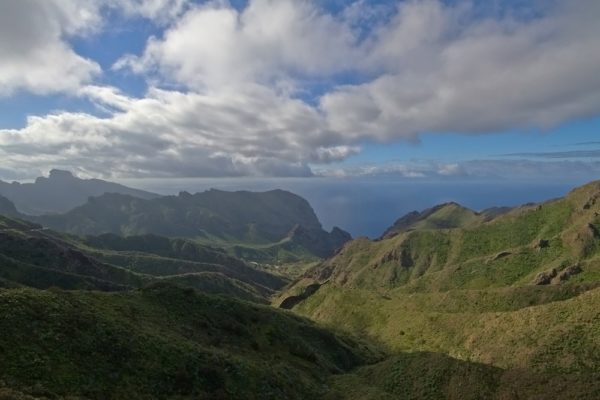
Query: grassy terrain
{"points": [[559, 331], [444, 216], [433, 376], [477, 294], [511, 249]]}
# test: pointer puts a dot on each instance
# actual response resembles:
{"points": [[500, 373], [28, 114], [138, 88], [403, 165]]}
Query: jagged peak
{"points": [[60, 174]]}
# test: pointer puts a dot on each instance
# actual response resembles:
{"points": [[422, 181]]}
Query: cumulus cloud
{"points": [[34, 55], [445, 70], [215, 45], [239, 107], [168, 133]]}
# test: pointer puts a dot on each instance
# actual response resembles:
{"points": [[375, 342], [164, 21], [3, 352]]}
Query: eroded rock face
{"points": [[566, 274], [401, 257], [556, 277], [545, 278]]}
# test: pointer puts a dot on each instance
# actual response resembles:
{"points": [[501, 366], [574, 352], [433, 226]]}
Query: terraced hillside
{"points": [[519, 292]]}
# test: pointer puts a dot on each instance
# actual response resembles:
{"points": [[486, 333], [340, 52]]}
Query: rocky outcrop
{"points": [[566, 274], [556, 277], [545, 278], [7, 208]]}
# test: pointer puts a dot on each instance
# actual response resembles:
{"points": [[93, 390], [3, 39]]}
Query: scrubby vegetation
{"points": [[518, 292], [163, 342], [449, 304]]}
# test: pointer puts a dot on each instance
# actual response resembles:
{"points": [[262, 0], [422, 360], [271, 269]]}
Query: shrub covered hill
{"points": [[268, 225], [449, 304], [508, 304], [34, 256], [162, 342], [151, 318]]}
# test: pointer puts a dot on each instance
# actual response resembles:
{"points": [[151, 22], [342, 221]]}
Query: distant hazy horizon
{"points": [[366, 207]]}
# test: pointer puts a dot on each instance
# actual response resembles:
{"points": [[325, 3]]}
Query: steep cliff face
{"points": [[248, 218]]}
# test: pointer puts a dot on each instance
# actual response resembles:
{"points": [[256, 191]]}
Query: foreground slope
{"points": [[162, 342], [434, 376]]}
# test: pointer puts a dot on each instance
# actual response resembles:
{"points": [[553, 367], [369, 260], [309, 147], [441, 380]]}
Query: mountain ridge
{"points": [[213, 216], [60, 192], [40, 258], [448, 215]]}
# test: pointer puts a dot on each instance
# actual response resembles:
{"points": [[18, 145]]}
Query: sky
{"points": [[414, 90]]}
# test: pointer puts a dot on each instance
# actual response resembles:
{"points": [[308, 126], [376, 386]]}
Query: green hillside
{"points": [[40, 258], [518, 292], [433, 376], [444, 216], [512, 249]]}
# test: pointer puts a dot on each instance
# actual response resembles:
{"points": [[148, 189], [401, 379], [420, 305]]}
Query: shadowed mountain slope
{"points": [[37, 257], [214, 216], [162, 342]]}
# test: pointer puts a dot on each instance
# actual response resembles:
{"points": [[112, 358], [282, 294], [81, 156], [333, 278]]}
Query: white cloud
{"points": [[161, 11], [215, 45], [33, 53], [169, 133]]}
